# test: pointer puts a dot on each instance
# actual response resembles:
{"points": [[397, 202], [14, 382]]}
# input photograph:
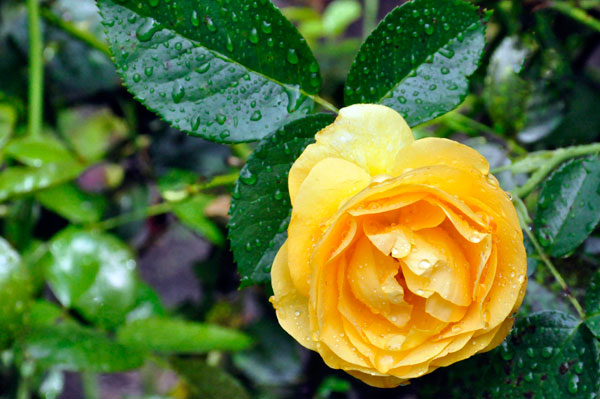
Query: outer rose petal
{"points": [[328, 185], [368, 135]]}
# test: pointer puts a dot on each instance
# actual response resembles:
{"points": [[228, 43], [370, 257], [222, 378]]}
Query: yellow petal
{"points": [[378, 381], [444, 310], [368, 135], [328, 185], [291, 307]]}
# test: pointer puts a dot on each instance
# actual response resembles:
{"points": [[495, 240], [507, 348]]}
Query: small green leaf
{"points": [[43, 313], [167, 335], [228, 73], [18, 180], [548, 355], [147, 303], [338, 15], [260, 208], [418, 59], [73, 204], [191, 213], [37, 151], [91, 132], [569, 206], [69, 346], [208, 382], [592, 305], [15, 293], [93, 273]]}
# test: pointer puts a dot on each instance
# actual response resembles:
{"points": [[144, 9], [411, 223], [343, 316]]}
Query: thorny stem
{"points": [[541, 163], [36, 69], [163, 207], [525, 220]]}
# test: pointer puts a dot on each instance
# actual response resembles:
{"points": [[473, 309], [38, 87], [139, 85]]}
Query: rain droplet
{"points": [[178, 92], [247, 177], [221, 119], [292, 57], [253, 36], [195, 18], [147, 30], [256, 116]]}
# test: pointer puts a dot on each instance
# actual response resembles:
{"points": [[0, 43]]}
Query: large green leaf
{"points": [[592, 305], [548, 355], [226, 71], [20, 180], [93, 273], [166, 335], [569, 205], [69, 346], [73, 204], [418, 59], [15, 293], [208, 382], [260, 208]]}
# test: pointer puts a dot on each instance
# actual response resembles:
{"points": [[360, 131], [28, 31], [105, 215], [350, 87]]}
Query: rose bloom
{"points": [[402, 255]]}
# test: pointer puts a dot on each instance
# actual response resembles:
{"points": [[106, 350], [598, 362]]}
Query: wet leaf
{"points": [[569, 205], [228, 73], [418, 59], [94, 273]]}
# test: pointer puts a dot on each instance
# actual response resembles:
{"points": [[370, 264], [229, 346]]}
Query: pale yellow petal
{"points": [[328, 185], [378, 381], [291, 307]]}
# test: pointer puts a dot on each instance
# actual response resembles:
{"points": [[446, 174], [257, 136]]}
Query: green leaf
{"points": [[592, 305], [260, 207], [191, 213], [15, 293], [37, 151], [8, 119], [208, 382], [226, 72], [167, 335], [418, 59], [69, 346], [548, 355], [505, 94], [72, 203], [147, 303], [569, 205], [18, 180], [20, 221], [93, 273], [338, 15], [91, 132], [43, 313]]}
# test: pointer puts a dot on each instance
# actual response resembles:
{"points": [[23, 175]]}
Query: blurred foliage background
{"points": [[113, 209]]}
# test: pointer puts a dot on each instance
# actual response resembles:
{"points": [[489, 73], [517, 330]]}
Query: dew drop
{"points": [[256, 116], [253, 36], [247, 177], [292, 57], [178, 92]]}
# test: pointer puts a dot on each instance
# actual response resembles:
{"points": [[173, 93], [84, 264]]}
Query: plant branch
{"points": [[576, 13], [370, 16], [70, 28], [326, 104], [525, 220], [541, 163], [164, 207], [36, 69]]}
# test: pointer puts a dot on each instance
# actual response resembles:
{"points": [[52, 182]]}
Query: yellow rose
{"points": [[402, 256]]}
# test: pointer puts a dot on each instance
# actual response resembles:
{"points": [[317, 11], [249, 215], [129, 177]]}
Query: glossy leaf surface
{"points": [[93, 273], [418, 59], [226, 72], [569, 205]]}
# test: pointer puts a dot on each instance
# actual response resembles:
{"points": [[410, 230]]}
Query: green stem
{"points": [[126, 218], [90, 385], [326, 104], [71, 29], [541, 163], [23, 390], [525, 220], [370, 16], [576, 13], [163, 207], [36, 69]]}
